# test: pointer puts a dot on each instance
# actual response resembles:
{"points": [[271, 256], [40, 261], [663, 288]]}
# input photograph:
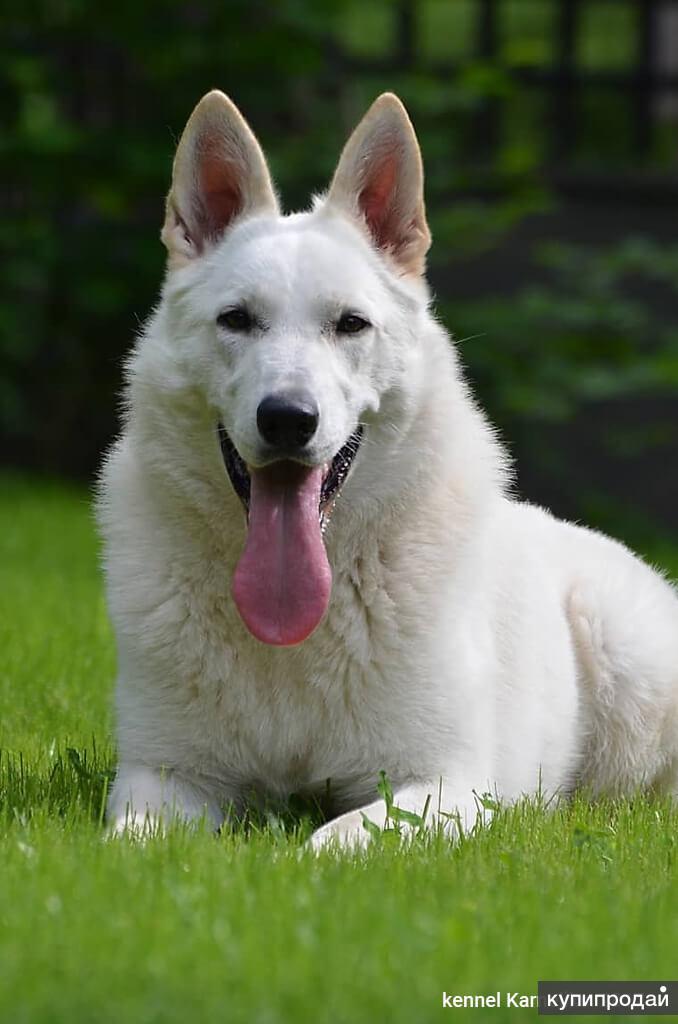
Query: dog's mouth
{"points": [[334, 474], [283, 580]]}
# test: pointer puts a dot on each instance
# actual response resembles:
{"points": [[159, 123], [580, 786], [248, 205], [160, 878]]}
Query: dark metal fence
{"points": [[647, 86]]}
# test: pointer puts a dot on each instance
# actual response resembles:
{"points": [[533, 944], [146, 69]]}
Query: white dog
{"points": [[314, 570]]}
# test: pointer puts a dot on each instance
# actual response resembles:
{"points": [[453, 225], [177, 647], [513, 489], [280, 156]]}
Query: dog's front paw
{"points": [[344, 833], [348, 832]]}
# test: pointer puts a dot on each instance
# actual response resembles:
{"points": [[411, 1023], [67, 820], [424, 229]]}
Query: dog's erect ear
{"points": [[380, 180], [219, 173]]}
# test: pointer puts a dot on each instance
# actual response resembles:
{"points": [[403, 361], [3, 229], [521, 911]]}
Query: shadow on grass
{"points": [[72, 785], [68, 784]]}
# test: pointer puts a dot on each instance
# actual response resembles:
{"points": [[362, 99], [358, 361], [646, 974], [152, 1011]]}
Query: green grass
{"points": [[195, 928]]}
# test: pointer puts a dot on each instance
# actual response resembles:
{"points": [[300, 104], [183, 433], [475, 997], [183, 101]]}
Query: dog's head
{"points": [[302, 332]]}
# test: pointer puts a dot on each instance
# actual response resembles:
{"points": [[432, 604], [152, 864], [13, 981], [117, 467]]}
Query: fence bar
{"points": [[487, 125], [487, 29], [563, 137], [643, 114], [406, 34]]}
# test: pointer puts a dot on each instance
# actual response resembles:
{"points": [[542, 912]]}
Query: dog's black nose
{"points": [[288, 420]]}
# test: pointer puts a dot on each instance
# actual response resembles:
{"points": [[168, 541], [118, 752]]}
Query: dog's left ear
{"points": [[380, 181], [219, 174]]}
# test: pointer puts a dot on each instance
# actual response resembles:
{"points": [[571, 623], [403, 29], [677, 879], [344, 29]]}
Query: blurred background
{"points": [[550, 135]]}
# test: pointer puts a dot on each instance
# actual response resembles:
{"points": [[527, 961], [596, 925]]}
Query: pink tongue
{"points": [[283, 580]]}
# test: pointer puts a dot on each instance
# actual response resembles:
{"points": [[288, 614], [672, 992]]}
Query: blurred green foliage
{"points": [[94, 100], [588, 333], [581, 372]]}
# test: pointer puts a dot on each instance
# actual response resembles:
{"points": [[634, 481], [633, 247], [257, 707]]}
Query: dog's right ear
{"points": [[219, 174]]}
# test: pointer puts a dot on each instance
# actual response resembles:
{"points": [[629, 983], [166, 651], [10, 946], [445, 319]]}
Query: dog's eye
{"points": [[236, 319], [351, 323]]}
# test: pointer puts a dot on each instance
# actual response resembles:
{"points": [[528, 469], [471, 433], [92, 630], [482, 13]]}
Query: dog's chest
{"points": [[345, 704]]}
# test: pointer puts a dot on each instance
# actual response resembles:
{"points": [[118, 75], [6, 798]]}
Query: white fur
{"points": [[472, 642]]}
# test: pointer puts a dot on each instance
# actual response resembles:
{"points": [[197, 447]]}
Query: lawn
{"points": [[253, 928]]}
